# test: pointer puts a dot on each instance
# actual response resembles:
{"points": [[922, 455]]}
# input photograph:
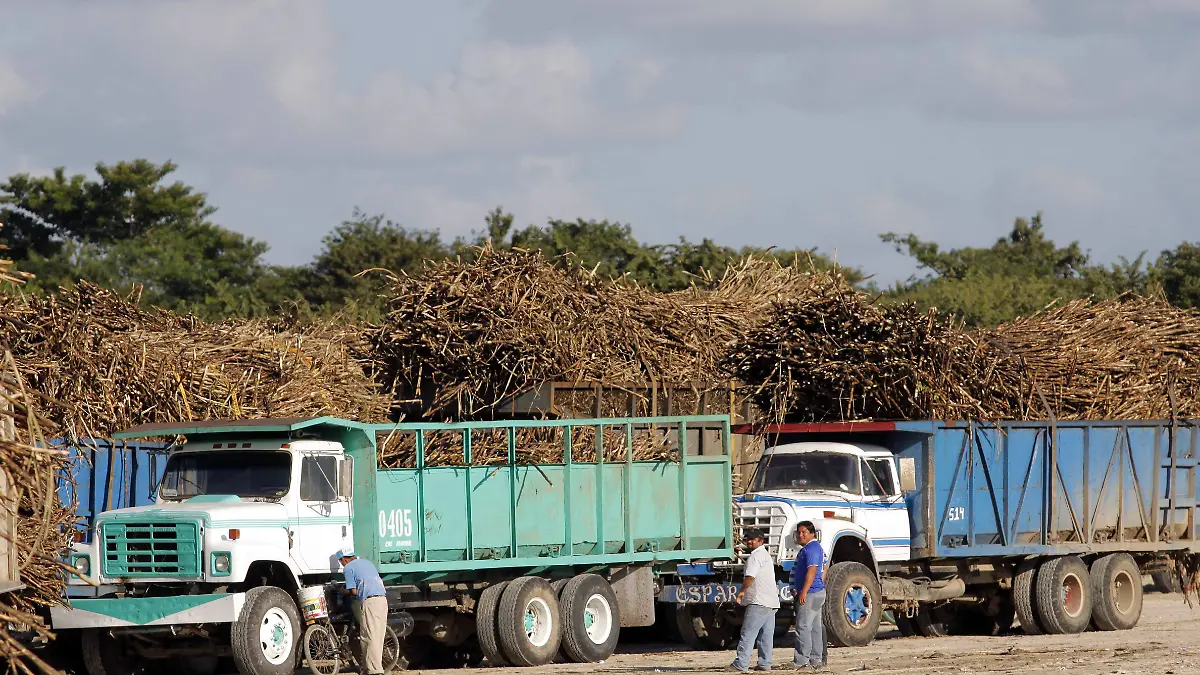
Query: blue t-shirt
{"points": [[811, 555], [364, 579]]}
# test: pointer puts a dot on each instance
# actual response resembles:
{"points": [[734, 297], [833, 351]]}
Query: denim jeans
{"points": [[810, 631], [758, 629]]}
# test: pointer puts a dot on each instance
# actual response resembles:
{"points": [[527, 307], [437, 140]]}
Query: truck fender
{"points": [[275, 573], [851, 545]]}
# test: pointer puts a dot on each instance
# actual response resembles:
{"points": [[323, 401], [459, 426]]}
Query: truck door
{"points": [[883, 512], [322, 524]]}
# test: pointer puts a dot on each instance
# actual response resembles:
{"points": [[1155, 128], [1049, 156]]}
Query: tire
{"points": [[1064, 595], [321, 652], [685, 622], [853, 604], [907, 626], [1116, 592], [1166, 582], [266, 636], [934, 620], [485, 624], [707, 627], [529, 622], [591, 619], [106, 655], [1024, 586]]}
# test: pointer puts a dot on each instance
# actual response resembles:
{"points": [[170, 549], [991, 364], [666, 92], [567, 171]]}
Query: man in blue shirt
{"points": [[808, 589], [364, 584]]}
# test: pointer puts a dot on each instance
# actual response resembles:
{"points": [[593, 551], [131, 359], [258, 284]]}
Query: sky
{"points": [[815, 123]]}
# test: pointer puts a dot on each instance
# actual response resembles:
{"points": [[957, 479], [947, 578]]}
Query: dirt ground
{"points": [[1166, 642]]}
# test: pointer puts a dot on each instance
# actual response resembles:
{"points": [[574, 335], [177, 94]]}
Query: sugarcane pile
{"points": [[544, 445], [464, 335], [838, 355], [103, 364]]}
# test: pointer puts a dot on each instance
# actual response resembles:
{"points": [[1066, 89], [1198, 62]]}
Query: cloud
{"points": [[269, 81], [540, 188], [15, 90]]}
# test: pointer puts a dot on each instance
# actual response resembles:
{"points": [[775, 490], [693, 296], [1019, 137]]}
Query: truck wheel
{"points": [[107, 655], [714, 626], [1116, 592], [686, 621], [1064, 595], [1166, 582], [1024, 586], [266, 635], [934, 620], [485, 624], [906, 625], [529, 621], [591, 619], [853, 604]]}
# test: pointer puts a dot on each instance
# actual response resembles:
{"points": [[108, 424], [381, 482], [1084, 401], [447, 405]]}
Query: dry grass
{"points": [[465, 335], [837, 356]]}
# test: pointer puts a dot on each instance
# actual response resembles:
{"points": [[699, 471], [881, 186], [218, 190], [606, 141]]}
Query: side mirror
{"points": [[346, 479], [908, 474]]}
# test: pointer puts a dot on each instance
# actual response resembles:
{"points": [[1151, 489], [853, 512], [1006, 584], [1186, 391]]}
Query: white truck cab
{"points": [[850, 491], [225, 512]]}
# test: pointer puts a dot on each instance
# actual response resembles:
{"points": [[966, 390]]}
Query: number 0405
{"points": [[395, 523]]}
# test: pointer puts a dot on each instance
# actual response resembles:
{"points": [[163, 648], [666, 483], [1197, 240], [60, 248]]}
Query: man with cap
{"points": [[761, 599], [364, 584]]}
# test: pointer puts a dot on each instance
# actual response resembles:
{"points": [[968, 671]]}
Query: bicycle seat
{"points": [[341, 616]]}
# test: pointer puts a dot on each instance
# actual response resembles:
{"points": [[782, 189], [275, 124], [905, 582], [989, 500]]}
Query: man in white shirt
{"points": [[760, 596]]}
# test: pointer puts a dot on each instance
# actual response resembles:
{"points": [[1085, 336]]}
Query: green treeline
{"points": [[130, 225]]}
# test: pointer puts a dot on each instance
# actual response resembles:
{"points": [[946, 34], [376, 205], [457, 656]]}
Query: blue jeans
{"points": [[810, 631], [758, 629]]}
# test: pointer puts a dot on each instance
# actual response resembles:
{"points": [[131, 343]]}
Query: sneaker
{"points": [[731, 668], [762, 669]]}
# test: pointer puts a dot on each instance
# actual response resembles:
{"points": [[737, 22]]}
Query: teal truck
{"points": [[520, 563]]}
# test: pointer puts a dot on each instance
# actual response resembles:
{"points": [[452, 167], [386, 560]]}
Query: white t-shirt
{"points": [[760, 566]]}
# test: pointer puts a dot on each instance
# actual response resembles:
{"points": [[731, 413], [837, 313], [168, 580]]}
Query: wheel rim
{"points": [[1072, 595], [857, 605], [538, 622], [597, 619], [275, 636], [322, 652], [1124, 592]]}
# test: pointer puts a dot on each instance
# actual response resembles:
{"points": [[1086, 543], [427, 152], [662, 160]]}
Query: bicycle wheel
{"points": [[321, 650], [391, 650]]}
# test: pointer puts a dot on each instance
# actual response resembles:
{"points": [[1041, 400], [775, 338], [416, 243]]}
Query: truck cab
{"points": [[227, 512], [851, 492]]}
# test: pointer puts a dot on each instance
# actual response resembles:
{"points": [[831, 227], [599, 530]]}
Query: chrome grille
{"points": [[767, 516]]}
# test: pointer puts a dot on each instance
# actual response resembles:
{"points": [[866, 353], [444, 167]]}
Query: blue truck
{"points": [[964, 527]]}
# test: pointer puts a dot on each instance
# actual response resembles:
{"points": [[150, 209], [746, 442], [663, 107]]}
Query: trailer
{"points": [[964, 527], [513, 562]]}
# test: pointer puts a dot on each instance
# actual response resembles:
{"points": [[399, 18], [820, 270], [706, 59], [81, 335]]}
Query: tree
{"points": [[362, 243], [127, 228], [1018, 275], [1179, 272]]}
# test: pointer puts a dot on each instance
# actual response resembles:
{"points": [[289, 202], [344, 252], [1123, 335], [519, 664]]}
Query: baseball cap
{"points": [[345, 553], [753, 533]]}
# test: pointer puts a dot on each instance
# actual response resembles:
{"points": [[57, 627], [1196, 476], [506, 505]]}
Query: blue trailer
{"points": [[104, 475], [966, 527]]}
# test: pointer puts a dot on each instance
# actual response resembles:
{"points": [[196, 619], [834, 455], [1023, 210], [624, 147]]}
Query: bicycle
{"points": [[333, 641]]}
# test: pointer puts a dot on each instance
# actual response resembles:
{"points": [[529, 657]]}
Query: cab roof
{"points": [[319, 426]]}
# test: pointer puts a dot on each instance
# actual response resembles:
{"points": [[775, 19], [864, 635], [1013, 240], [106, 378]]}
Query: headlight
{"points": [[221, 563], [82, 563]]}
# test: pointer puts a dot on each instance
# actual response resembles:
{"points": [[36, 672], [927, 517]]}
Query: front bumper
{"points": [[164, 611]]}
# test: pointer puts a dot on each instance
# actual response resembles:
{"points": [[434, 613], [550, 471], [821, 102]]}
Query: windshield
{"points": [[245, 473], [809, 471]]}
